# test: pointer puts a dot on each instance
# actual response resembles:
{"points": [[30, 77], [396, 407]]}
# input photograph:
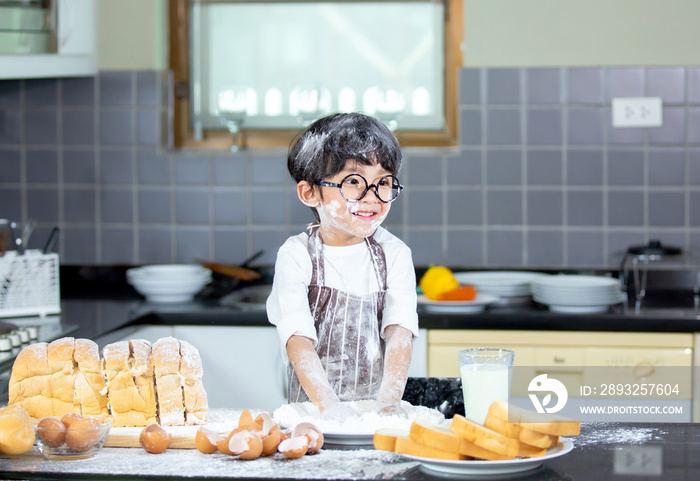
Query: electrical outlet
{"points": [[637, 112]]}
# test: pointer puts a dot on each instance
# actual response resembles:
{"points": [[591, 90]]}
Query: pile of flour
{"points": [[366, 422]]}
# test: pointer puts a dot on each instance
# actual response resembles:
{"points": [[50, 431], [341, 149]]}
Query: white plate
{"points": [[500, 283], [579, 309], [493, 467], [348, 439], [477, 305], [575, 281]]}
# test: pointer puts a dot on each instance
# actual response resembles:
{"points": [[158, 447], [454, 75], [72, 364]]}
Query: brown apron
{"points": [[347, 325]]}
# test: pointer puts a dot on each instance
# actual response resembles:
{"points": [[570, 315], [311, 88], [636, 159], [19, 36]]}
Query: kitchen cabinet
{"points": [[77, 46], [579, 358]]}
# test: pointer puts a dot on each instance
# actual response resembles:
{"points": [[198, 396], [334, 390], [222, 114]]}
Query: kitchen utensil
{"points": [[168, 283], [4, 240], [489, 469], [51, 241], [237, 272], [27, 230], [15, 237], [638, 260]]}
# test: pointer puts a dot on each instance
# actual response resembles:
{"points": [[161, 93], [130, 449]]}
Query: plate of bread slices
{"points": [[511, 440]]}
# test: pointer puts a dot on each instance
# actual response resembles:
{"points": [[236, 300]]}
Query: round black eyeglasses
{"points": [[354, 187]]}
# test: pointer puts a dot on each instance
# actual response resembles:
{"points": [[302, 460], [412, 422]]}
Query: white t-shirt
{"points": [[347, 268]]}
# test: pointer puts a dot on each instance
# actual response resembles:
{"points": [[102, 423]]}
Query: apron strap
{"points": [[378, 261], [315, 248]]}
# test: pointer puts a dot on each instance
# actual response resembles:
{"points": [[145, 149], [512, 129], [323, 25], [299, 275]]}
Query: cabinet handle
{"points": [[559, 360]]}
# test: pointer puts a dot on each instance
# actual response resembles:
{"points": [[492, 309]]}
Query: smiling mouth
{"points": [[365, 215]]}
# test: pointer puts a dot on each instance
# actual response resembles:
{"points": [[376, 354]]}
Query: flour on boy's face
{"points": [[347, 223]]}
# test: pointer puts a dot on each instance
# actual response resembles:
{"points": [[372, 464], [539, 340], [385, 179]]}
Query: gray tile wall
{"points": [[541, 179]]}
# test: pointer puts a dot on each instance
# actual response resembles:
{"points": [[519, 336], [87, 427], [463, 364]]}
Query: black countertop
{"points": [[608, 451]]}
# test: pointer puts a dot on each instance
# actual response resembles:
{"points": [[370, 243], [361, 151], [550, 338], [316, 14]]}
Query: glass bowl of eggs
{"points": [[71, 436]]}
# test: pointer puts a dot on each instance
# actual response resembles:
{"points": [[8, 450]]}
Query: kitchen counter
{"points": [[602, 451]]}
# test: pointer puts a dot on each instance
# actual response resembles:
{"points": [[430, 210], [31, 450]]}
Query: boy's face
{"points": [[347, 223]]}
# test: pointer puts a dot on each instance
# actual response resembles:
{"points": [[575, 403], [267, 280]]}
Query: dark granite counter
{"points": [[602, 451]]}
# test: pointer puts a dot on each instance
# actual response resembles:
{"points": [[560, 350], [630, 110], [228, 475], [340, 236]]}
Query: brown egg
{"points": [[154, 439], [70, 418], [206, 440], [246, 421], [271, 440], [222, 443], [314, 435], [246, 444], [51, 431], [294, 447], [83, 434], [265, 422]]}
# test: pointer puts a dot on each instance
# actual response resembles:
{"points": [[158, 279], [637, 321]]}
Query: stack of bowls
{"points": [[169, 283], [577, 293]]}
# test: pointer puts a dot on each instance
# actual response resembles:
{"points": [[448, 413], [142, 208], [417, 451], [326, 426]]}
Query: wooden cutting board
{"points": [[220, 421]]}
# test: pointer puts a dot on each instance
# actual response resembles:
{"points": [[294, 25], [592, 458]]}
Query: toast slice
{"points": [[524, 435], [484, 437], [399, 441], [442, 437], [551, 424]]}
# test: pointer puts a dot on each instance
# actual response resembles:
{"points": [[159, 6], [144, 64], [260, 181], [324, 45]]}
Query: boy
{"points": [[344, 294]]}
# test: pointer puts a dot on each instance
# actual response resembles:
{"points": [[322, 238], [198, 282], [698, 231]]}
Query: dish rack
{"points": [[29, 284]]}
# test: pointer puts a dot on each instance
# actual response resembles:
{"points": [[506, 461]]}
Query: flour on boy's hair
{"points": [[311, 147]]}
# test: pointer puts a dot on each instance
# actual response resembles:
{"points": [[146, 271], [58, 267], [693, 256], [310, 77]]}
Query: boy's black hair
{"points": [[326, 145]]}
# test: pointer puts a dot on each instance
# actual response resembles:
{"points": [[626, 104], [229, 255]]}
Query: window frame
{"points": [[183, 135]]}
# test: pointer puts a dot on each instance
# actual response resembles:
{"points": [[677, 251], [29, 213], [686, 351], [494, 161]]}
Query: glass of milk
{"points": [[486, 374]]}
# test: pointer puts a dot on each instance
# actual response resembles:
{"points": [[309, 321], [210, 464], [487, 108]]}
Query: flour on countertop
{"points": [[326, 464], [365, 422], [603, 433]]}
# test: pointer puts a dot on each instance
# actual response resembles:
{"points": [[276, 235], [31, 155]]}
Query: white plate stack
{"points": [[169, 283], [577, 293], [508, 285]]}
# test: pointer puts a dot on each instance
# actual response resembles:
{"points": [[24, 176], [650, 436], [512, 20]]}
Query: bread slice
{"points": [[191, 371], [62, 379], [29, 381], [484, 437], [399, 441], [385, 439], [169, 393], [440, 436], [128, 371], [551, 424], [524, 435], [89, 382]]}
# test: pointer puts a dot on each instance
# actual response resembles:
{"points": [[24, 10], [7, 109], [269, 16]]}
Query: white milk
{"points": [[483, 384]]}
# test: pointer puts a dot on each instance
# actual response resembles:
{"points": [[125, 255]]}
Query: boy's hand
{"points": [[390, 409]]}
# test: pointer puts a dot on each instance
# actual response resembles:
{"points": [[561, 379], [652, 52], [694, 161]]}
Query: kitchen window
{"points": [[254, 73]]}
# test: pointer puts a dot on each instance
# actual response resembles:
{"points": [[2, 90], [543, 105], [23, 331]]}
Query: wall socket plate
{"points": [[637, 112]]}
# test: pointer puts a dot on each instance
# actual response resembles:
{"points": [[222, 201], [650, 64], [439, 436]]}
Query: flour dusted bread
{"points": [[178, 379], [89, 382], [134, 382], [128, 372], [196, 403], [29, 381], [61, 377], [166, 363]]}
